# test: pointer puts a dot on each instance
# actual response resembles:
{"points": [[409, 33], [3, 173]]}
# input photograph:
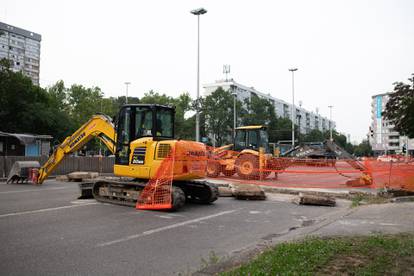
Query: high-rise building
{"points": [[306, 120], [22, 48], [382, 135]]}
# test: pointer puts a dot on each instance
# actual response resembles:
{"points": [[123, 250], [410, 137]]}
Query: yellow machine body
{"points": [[146, 156]]}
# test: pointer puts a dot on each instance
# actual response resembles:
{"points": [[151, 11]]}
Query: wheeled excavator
{"points": [[141, 139]]}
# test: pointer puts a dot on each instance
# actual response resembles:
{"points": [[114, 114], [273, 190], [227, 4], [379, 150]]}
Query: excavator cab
{"points": [[138, 121]]}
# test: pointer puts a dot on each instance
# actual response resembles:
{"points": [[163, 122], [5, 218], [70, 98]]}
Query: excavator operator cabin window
{"points": [[143, 122], [124, 136], [164, 123]]}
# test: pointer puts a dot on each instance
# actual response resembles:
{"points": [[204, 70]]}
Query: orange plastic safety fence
{"points": [[263, 169], [192, 160], [157, 193], [185, 161]]}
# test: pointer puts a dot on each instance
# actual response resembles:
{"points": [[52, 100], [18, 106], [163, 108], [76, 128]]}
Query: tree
{"points": [[363, 149], [257, 111], [315, 135], [399, 109], [217, 108], [260, 111], [28, 108], [84, 102], [184, 127]]}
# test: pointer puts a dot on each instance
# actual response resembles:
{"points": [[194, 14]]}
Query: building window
{"points": [[1, 146]]}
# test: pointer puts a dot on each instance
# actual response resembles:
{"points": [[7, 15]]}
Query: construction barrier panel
{"points": [[257, 168], [185, 161]]}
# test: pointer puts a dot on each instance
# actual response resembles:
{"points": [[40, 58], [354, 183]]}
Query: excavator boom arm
{"points": [[99, 126]]}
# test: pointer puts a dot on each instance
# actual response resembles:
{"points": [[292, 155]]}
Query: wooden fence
{"points": [[68, 165]]}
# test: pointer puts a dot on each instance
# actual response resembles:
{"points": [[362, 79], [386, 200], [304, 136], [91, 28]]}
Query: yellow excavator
{"points": [[141, 139]]}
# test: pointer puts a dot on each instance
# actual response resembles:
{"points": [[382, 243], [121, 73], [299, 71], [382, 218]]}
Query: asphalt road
{"points": [[45, 230]]}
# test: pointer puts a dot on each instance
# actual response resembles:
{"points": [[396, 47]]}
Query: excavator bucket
{"points": [[23, 171]]}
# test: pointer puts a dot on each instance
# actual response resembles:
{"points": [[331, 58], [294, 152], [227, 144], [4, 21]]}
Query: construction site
{"points": [[129, 147], [200, 201]]}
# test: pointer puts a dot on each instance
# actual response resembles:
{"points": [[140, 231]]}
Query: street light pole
{"points": [[293, 105], [234, 118], [127, 83], [198, 12], [330, 121]]}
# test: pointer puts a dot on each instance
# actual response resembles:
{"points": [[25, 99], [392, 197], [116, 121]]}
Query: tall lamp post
{"points": [[293, 105], [330, 122], [198, 12], [234, 109], [127, 83]]}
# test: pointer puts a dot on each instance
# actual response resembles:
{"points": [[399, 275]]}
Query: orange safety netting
{"points": [[324, 173], [185, 161], [157, 193], [192, 160]]}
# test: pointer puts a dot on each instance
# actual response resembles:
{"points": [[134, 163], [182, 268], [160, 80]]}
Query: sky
{"points": [[345, 51]]}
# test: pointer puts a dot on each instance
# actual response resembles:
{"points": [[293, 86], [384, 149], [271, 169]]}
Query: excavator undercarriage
{"points": [[126, 193]]}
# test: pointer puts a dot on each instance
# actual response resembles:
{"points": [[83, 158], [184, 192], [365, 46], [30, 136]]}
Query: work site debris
{"points": [[63, 178], [225, 191], [320, 200], [81, 176], [247, 192]]}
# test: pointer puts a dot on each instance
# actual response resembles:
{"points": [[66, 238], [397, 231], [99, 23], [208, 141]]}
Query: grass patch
{"points": [[364, 199], [374, 255]]}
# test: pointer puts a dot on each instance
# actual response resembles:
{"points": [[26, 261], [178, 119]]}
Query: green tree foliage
{"points": [[363, 149], [400, 107], [258, 111], [217, 108], [184, 127], [27, 108], [315, 135], [84, 102]]}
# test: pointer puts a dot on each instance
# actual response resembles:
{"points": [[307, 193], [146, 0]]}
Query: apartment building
{"points": [[22, 48], [382, 135], [305, 119]]}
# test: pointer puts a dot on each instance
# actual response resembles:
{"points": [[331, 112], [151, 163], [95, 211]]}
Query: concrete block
{"points": [[225, 191], [247, 191], [320, 200], [80, 176], [63, 178]]}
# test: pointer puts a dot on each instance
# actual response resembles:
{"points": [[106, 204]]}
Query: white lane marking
{"points": [[166, 217], [45, 210], [83, 201], [168, 227], [33, 190]]}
